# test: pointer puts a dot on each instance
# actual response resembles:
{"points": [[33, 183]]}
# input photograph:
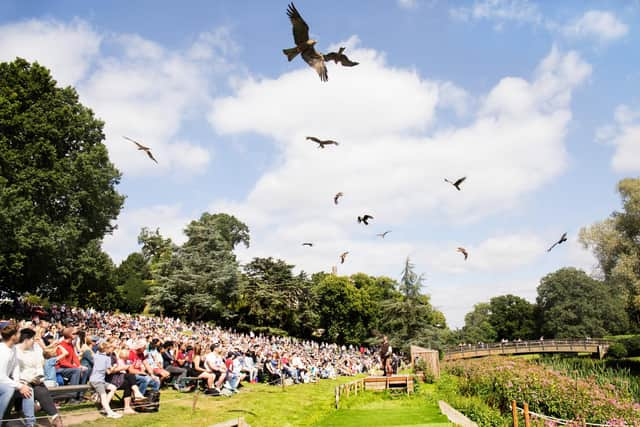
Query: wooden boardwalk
{"points": [[598, 347]]}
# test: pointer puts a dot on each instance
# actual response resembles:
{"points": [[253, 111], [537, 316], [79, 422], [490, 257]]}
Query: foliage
{"points": [[512, 317], [201, 278], [409, 319], [616, 245], [132, 278], [37, 300], [471, 406], [617, 350], [93, 284], [271, 296], [498, 381], [571, 304], [477, 326], [57, 185]]}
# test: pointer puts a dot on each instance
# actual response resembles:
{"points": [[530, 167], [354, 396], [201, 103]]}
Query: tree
{"points": [[132, 278], [409, 318], [512, 317], [572, 304], [271, 296], [93, 281], [344, 311], [57, 185], [615, 242], [477, 325], [201, 278]]}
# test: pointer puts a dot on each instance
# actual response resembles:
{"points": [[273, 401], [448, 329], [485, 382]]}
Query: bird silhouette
{"points": [[308, 244], [383, 235], [343, 256], [304, 45], [322, 142], [143, 148], [464, 252], [339, 57], [456, 183], [337, 196], [365, 218], [563, 239]]}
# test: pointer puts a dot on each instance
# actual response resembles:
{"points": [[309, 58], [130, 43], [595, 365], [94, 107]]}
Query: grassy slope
{"points": [[259, 404], [381, 409]]}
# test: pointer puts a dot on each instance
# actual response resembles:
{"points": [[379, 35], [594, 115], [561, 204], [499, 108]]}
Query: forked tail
{"points": [[290, 53]]}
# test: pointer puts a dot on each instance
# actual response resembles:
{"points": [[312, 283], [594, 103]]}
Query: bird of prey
{"points": [[343, 256], [304, 45], [563, 239], [322, 142], [143, 148], [337, 196], [456, 183], [464, 252], [308, 244], [383, 235], [364, 218], [340, 57]]}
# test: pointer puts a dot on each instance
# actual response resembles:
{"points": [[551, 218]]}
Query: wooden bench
{"points": [[396, 382], [68, 391]]}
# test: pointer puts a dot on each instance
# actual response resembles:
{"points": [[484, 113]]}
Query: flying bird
{"points": [[365, 218], [308, 244], [339, 57], [464, 252], [143, 148], [456, 183], [337, 196], [322, 142], [383, 235], [563, 239], [304, 45], [343, 256]]}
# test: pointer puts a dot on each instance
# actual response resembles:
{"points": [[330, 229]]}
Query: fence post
{"points": [[514, 413], [527, 421], [337, 396], [195, 400]]}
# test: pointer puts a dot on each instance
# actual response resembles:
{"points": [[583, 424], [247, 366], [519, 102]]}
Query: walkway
{"points": [[599, 347]]}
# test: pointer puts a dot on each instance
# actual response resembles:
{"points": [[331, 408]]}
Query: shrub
{"points": [[617, 350], [632, 345]]}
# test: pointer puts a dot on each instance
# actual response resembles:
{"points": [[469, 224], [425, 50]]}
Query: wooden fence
{"points": [[396, 382]]}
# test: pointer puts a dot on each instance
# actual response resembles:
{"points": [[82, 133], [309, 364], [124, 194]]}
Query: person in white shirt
{"points": [[10, 384], [31, 363]]}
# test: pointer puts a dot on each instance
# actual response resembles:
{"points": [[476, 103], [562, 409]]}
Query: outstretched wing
{"points": [[315, 61], [151, 156], [300, 28], [460, 181], [346, 62], [140, 146], [314, 139], [331, 56]]}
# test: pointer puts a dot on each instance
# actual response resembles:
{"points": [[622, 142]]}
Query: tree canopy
{"points": [[57, 185]]}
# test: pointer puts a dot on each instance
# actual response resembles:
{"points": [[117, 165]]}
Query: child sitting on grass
{"points": [[102, 367]]}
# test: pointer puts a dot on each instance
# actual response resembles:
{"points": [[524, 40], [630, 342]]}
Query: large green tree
{"points": [[132, 281], [512, 317], [410, 318], [571, 304], [477, 325], [57, 185], [201, 279], [616, 244], [271, 296]]}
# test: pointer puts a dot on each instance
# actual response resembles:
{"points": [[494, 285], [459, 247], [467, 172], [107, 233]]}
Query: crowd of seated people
{"points": [[140, 354]]}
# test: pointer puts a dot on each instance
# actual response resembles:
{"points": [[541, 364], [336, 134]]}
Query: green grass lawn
{"points": [[261, 406], [383, 409]]}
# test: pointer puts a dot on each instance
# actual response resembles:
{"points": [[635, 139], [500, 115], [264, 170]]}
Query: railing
{"points": [[537, 346], [348, 388]]}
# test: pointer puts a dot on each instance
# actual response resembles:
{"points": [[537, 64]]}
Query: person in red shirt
{"points": [[69, 366]]}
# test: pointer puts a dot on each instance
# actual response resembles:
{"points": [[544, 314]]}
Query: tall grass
{"points": [[621, 374]]}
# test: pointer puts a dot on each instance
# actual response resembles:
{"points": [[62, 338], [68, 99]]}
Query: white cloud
{"points": [[67, 49], [138, 87], [599, 25], [624, 135], [501, 11], [407, 4], [170, 219], [391, 163]]}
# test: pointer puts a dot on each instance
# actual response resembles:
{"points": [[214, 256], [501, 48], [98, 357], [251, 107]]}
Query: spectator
{"points": [[141, 369], [171, 364], [30, 361], [215, 365], [51, 359], [198, 370], [10, 384], [69, 366], [86, 353], [101, 367], [123, 380]]}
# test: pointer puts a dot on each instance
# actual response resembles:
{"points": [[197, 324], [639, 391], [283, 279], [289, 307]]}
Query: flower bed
{"points": [[500, 380]]}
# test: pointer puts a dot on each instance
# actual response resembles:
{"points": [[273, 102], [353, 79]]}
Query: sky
{"points": [[536, 103]]}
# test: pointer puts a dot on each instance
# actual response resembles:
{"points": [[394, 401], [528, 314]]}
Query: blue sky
{"points": [[536, 102]]}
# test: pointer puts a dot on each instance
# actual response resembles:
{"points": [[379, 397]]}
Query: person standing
{"points": [[385, 353], [10, 384]]}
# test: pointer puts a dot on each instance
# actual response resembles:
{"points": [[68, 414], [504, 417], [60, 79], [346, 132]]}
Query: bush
{"points": [[617, 350], [632, 346]]}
